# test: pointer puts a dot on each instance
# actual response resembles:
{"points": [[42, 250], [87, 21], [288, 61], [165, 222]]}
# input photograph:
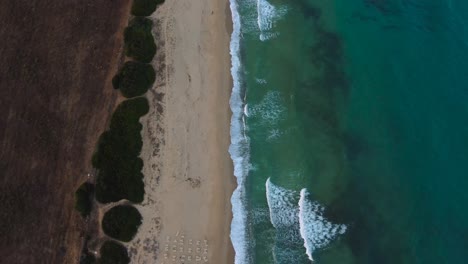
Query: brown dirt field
{"points": [[57, 59]]}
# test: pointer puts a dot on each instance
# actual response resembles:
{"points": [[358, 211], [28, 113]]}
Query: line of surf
{"points": [[239, 148]]}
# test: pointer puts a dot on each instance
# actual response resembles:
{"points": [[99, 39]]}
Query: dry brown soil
{"points": [[57, 58]]}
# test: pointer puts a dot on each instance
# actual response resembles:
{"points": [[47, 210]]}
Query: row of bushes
{"points": [[136, 77], [119, 177], [118, 148], [117, 153]]}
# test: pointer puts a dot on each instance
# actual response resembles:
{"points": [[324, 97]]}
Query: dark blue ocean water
{"points": [[351, 131]]}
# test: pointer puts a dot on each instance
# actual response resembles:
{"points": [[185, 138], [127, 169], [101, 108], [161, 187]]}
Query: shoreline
{"points": [[189, 177]]}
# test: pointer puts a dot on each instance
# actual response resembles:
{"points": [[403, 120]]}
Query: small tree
{"points": [[122, 222], [145, 7], [139, 42], [113, 253], [134, 79], [83, 198]]}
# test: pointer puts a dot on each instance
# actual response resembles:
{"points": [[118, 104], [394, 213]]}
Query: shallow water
{"points": [[350, 131]]}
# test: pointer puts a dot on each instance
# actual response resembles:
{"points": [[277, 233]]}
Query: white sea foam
{"points": [[267, 15], [274, 134], [239, 148], [271, 108], [316, 231], [284, 211], [282, 204], [259, 215], [289, 216], [246, 110], [248, 22]]}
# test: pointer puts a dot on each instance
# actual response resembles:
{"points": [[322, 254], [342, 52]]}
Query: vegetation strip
{"points": [[117, 154], [118, 149]]}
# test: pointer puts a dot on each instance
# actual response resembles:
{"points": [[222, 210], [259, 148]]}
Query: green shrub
{"points": [[129, 111], [117, 152], [113, 253], [83, 198], [145, 7], [139, 42], [115, 185], [134, 79], [121, 222]]}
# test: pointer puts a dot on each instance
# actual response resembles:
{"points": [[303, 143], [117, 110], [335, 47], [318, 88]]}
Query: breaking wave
{"points": [[299, 218], [239, 148], [283, 205]]}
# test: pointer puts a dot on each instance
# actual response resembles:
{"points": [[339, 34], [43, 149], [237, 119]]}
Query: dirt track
{"points": [[57, 59]]}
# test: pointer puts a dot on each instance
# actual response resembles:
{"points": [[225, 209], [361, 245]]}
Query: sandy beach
{"points": [[188, 171]]}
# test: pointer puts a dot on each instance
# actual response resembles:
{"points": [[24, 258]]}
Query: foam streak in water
{"points": [[267, 14], [316, 231], [271, 109]]}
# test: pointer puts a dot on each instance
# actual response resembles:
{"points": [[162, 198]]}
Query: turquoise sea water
{"points": [[350, 131]]}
